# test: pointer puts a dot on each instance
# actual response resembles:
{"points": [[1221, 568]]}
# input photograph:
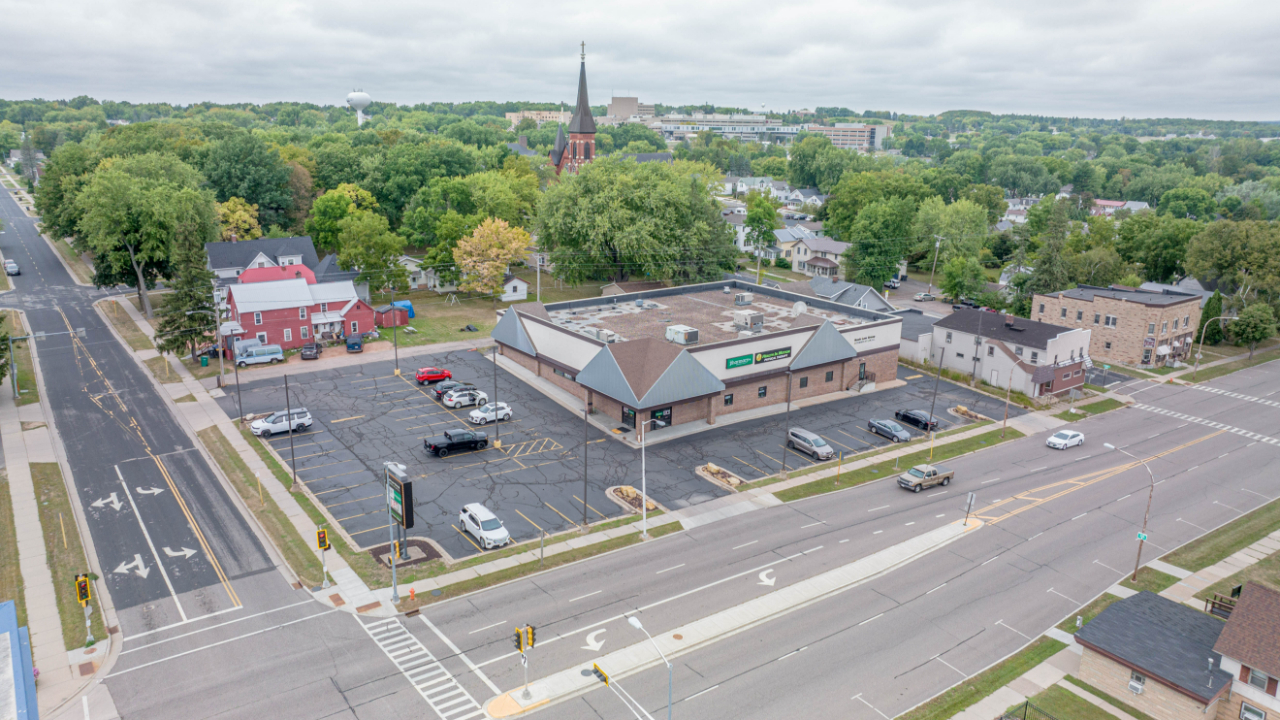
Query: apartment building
{"points": [[623, 108], [1133, 326], [539, 116], [854, 136]]}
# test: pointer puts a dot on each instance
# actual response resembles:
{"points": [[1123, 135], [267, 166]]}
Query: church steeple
{"points": [[582, 121], [580, 148]]}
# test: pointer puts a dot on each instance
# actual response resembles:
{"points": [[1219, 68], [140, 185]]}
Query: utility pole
{"points": [[395, 325], [937, 245], [1151, 491], [497, 439], [586, 426], [942, 352]]}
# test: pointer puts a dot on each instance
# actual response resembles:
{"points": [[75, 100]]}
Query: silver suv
{"points": [[279, 422], [811, 443]]}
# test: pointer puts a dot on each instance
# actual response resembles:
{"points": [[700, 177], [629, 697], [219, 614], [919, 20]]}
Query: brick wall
{"points": [[1157, 700], [1132, 321]]}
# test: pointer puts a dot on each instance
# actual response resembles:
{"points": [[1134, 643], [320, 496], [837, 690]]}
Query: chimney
{"points": [[524, 141], [1008, 320]]}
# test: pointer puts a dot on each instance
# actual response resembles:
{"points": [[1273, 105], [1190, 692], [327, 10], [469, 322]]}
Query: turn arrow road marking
{"points": [[767, 578], [150, 491], [139, 568], [185, 552], [592, 643], [111, 500]]}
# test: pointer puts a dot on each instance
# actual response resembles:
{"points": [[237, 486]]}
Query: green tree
{"points": [[989, 197], [1130, 280], [961, 226], [856, 190], [1254, 324], [1211, 332], [762, 220], [1021, 175], [617, 218], [878, 240], [330, 209], [1098, 266], [1239, 258], [1185, 202], [244, 166], [367, 244], [65, 175], [1052, 270], [238, 220], [774, 167], [484, 257], [962, 277], [188, 315]]}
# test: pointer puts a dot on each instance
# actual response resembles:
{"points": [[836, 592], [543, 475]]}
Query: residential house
{"points": [[1250, 650], [514, 289], [807, 197], [1134, 326], [416, 275], [228, 260], [839, 291], [289, 313], [1016, 216], [1158, 656], [1034, 358], [521, 147], [1109, 207], [818, 256], [917, 334]]}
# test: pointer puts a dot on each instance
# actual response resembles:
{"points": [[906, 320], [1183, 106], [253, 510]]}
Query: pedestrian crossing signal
{"points": [[84, 593], [519, 640], [322, 539], [601, 674], [529, 636]]}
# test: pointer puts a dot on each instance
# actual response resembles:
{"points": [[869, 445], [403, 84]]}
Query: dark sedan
{"points": [[441, 389], [918, 418], [889, 429]]}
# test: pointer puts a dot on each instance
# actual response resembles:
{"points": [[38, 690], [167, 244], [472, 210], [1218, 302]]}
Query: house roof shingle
{"points": [[1252, 635], [1005, 328], [240, 254]]}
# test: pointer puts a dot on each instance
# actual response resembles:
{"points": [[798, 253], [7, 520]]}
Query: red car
{"points": [[430, 375]]}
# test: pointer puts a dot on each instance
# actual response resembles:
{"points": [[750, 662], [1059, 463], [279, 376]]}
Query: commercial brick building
{"points": [[1131, 327], [697, 352]]}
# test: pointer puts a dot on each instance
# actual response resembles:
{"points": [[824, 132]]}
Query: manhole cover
{"points": [[678, 636]]}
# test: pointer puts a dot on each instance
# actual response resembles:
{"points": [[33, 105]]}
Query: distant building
{"points": [[521, 147], [1037, 358], [580, 147], [854, 136], [1134, 327], [538, 116], [624, 108]]}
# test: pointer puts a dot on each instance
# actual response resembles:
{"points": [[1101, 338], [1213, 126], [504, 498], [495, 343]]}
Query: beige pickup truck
{"points": [[921, 477]]}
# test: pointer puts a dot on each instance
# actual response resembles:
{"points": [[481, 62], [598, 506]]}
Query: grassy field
{"points": [[65, 553], [28, 391], [1136, 713], [1095, 408], [164, 372], [126, 327], [1148, 579], [978, 687], [1062, 704], [886, 469], [1265, 571], [10, 571], [1088, 612], [1217, 371], [1228, 539]]}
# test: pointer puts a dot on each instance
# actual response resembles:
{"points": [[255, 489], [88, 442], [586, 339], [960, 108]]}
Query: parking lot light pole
{"points": [[1219, 319], [942, 353], [786, 425], [497, 433], [586, 427], [635, 623], [644, 480], [293, 459], [1151, 491]]}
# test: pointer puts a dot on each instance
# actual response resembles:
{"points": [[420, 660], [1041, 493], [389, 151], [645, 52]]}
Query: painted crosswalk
{"points": [[442, 692], [1237, 396], [1208, 423]]}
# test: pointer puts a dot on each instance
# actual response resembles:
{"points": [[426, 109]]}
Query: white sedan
{"points": [[490, 413], [1064, 439]]}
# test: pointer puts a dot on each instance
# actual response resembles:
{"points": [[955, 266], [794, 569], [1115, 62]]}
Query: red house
{"points": [[291, 313]]}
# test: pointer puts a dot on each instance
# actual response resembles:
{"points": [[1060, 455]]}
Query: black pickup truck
{"points": [[455, 440]]}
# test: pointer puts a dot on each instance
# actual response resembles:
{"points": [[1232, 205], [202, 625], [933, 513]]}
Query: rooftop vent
{"points": [[744, 298], [682, 335]]}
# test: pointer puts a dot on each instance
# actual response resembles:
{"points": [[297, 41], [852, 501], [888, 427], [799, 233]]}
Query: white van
{"points": [[261, 354]]}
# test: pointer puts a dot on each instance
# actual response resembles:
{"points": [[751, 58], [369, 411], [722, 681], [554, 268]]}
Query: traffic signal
{"points": [[530, 636], [84, 591], [322, 539], [519, 639], [601, 674]]}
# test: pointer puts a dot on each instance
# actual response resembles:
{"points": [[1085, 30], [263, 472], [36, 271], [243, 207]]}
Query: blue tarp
{"points": [[21, 678], [406, 305]]}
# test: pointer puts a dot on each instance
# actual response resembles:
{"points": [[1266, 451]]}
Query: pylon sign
{"points": [[399, 494]]}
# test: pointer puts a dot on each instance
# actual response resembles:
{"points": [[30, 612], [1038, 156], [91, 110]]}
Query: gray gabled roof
{"points": [[240, 254], [557, 150], [510, 332], [519, 149], [684, 378], [647, 372], [327, 270], [582, 121], [826, 346]]}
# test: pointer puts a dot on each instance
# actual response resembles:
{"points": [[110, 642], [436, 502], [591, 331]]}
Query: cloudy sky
{"points": [[1136, 58]]}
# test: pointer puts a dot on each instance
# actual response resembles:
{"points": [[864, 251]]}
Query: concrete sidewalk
{"points": [[1189, 583]]}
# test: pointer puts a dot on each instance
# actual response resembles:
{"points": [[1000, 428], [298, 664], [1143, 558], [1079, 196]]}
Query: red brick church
{"points": [[580, 148]]}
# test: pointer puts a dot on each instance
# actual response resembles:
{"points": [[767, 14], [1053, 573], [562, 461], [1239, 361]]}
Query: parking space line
{"points": [[296, 445], [853, 438], [326, 452], [566, 517], [602, 515], [753, 467], [347, 502], [846, 447], [914, 377], [353, 517], [317, 467], [361, 532], [330, 477], [309, 432], [356, 417], [767, 456], [526, 517], [468, 537], [793, 452], [347, 487]]}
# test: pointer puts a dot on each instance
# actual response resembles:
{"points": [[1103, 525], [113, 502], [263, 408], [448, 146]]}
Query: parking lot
{"points": [[366, 415]]}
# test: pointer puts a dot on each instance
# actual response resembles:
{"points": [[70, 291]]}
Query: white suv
{"points": [[484, 525], [276, 422], [464, 396]]}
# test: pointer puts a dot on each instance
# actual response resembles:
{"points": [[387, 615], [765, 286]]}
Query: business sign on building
{"points": [[740, 361], [771, 355]]}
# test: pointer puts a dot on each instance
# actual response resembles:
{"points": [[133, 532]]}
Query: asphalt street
{"points": [[365, 415]]}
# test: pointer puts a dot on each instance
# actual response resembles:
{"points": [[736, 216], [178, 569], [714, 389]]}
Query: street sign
{"points": [[399, 495], [1106, 367], [969, 502], [1142, 536], [524, 660]]}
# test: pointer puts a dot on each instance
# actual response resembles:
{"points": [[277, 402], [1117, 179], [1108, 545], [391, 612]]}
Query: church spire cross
{"points": [[584, 50]]}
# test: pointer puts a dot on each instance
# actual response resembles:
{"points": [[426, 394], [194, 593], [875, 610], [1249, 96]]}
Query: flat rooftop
{"points": [[710, 312]]}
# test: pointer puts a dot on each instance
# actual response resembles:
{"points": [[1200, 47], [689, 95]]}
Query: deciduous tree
{"points": [[368, 245], [484, 257], [238, 220], [1254, 324], [330, 209]]}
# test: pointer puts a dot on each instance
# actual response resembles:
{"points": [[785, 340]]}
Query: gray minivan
{"points": [[260, 354], [811, 443]]}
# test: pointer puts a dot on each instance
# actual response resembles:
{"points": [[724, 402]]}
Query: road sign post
{"points": [[968, 507], [84, 593], [399, 493]]}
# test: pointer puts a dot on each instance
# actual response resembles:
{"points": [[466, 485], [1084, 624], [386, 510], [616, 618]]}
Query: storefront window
{"points": [[664, 415], [628, 417]]}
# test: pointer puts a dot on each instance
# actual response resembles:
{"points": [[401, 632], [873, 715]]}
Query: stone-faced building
{"points": [[1133, 327]]}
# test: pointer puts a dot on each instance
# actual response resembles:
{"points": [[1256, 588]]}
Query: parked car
{"points": [[483, 525], [355, 344], [889, 429], [281, 422], [893, 283], [455, 441], [311, 351], [11, 268], [462, 397], [1064, 439], [260, 354], [431, 375], [811, 443], [921, 477], [443, 388], [919, 418], [923, 297], [491, 412]]}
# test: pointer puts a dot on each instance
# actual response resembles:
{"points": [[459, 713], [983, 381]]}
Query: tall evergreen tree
{"points": [[188, 317], [1210, 333]]}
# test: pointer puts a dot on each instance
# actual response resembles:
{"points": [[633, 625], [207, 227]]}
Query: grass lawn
{"points": [[28, 392], [886, 469], [978, 687], [1095, 388], [294, 548], [1136, 713], [78, 268], [1149, 579], [1266, 571], [1165, 370], [1228, 539], [186, 398], [126, 327], [1217, 371], [164, 372], [1226, 349], [65, 554], [1062, 704], [1095, 408], [10, 572], [1088, 612]]}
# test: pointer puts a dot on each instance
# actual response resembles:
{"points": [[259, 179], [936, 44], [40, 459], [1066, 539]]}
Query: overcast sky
{"points": [[1096, 58]]}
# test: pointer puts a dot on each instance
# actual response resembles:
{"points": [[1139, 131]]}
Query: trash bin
{"points": [[204, 361]]}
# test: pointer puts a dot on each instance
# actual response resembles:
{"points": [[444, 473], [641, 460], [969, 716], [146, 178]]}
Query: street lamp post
{"points": [[1220, 318], [786, 425], [937, 245], [635, 623], [644, 480], [942, 353], [1151, 491]]}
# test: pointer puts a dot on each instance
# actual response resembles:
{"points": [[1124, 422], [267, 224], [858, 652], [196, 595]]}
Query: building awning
{"points": [[820, 262], [321, 318], [1162, 350], [231, 327]]}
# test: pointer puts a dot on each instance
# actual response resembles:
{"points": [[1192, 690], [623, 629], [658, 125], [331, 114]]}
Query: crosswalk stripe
{"points": [[1209, 423], [430, 678]]}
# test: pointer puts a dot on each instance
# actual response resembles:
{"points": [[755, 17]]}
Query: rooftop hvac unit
{"points": [[743, 298], [1135, 687], [748, 319], [682, 335], [727, 290], [608, 336]]}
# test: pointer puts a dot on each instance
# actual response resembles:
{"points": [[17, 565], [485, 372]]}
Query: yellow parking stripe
{"points": [[793, 452], [335, 422], [361, 532], [348, 487], [330, 477], [602, 515], [530, 521], [553, 509], [753, 467], [468, 537], [913, 377]]}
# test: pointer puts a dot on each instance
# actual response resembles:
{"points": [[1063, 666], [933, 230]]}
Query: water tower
{"points": [[359, 100]]}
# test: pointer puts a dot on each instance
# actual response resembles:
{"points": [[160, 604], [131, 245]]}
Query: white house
{"points": [[1035, 358], [514, 289]]}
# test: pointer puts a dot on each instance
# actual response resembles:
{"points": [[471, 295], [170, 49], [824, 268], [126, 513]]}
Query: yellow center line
{"points": [[334, 422], [526, 517], [566, 517]]}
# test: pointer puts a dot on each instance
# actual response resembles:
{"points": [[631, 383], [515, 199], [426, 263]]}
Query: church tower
{"points": [[580, 147]]}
